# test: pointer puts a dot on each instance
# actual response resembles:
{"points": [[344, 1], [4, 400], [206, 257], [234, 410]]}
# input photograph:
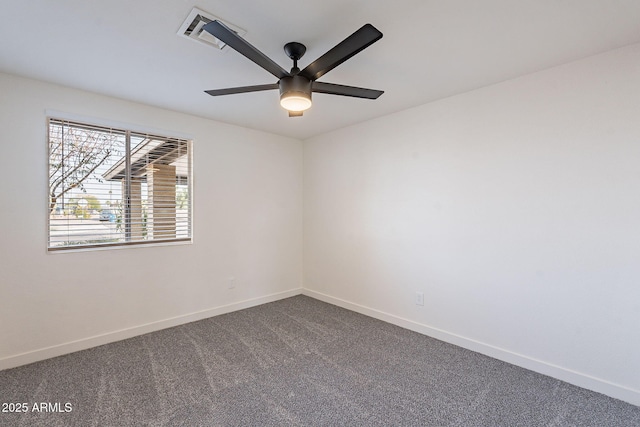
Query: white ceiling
{"points": [[431, 49]]}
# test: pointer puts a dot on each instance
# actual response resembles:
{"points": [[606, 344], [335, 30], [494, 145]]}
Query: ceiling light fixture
{"points": [[295, 93]]}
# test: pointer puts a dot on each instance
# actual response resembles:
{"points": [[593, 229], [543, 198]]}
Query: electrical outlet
{"points": [[419, 298], [231, 282]]}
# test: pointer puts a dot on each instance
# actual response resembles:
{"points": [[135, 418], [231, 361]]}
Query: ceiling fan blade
{"points": [[242, 89], [295, 113], [228, 36], [356, 42], [334, 89]]}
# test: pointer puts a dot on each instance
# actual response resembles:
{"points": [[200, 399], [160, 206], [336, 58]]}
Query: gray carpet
{"points": [[297, 362]]}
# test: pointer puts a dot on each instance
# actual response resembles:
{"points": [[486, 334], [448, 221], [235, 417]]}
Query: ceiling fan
{"points": [[296, 85]]}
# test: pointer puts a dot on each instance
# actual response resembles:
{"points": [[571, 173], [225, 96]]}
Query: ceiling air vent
{"points": [[192, 28]]}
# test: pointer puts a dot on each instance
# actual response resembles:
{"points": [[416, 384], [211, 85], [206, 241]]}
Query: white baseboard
{"points": [[94, 341], [576, 378]]}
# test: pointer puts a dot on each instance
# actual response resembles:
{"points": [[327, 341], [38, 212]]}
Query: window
{"points": [[114, 187]]}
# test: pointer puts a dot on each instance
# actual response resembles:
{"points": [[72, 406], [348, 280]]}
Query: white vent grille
{"points": [[192, 28]]}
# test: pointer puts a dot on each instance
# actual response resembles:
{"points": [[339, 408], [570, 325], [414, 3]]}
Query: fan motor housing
{"points": [[295, 86]]}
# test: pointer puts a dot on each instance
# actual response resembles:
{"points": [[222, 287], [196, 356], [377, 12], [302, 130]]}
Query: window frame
{"points": [[128, 130]]}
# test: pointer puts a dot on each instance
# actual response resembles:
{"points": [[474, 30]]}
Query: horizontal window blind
{"points": [[116, 187]]}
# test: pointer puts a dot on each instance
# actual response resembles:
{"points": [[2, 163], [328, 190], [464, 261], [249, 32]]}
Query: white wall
{"points": [[247, 224], [514, 208]]}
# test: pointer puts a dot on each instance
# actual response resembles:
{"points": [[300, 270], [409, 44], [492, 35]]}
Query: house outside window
{"points": [[116, 187]]}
